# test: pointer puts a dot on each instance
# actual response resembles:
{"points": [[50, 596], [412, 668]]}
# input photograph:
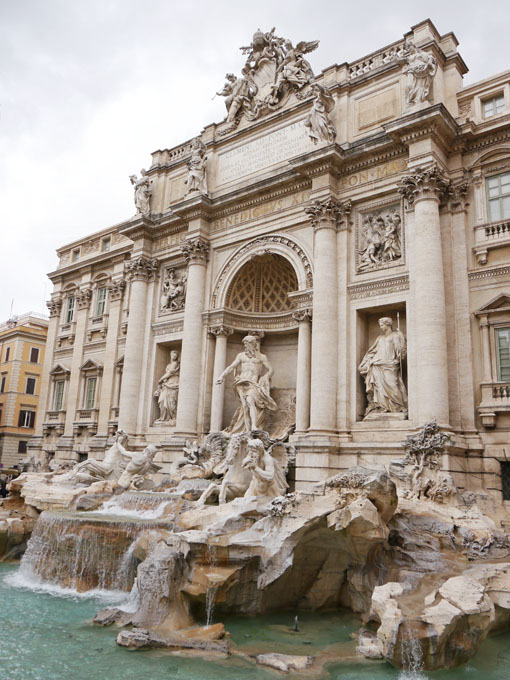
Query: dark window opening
{"points": [[505, 480]]}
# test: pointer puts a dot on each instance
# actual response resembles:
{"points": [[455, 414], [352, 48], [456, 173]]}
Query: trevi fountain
{"points": [[227, 485]]}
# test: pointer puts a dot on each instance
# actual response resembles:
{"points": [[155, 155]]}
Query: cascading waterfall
{"points": [[210, 595], [412, 656], [81, 553]]}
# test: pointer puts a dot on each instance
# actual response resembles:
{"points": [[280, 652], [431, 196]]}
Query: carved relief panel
{"points": [[379, 237], [173, 290]]}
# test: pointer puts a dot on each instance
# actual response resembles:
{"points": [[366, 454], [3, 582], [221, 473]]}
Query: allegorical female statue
{"points": [[168, 389], [420, 68], [142, 192], [382, 369], [318, 123]]}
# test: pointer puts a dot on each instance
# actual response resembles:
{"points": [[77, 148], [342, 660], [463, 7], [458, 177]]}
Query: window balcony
{"points": [[488, 236], [86, 417], [495, 399], [54, 420]]}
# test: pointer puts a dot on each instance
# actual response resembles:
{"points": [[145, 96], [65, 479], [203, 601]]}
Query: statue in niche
{"points": [[380, 240], [196, 179], [382, 369], [167, 390], [420, 68], [142, 192], [318, 123], [140, 465], [173, 291], [252, 385], [267, 468]]}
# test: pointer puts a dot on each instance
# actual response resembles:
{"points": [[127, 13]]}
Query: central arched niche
{"points": [[261, 287]]}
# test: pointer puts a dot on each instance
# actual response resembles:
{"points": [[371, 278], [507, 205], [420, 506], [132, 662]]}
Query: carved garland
{"points": [[263, 241]]}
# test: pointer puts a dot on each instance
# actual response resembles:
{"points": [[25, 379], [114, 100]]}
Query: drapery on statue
{"points": [[251, 385], [173, 291], [142, 193], [168, 389], [318, 123], [421, 68], [140, 465], [196, 179], [382, 369], [267, 468], [237, 93]]}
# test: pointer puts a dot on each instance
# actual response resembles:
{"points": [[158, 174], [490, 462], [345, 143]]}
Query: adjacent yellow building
{"points": [[22, 345]]}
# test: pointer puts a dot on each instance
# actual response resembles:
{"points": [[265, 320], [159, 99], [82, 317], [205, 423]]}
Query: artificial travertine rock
{"points": [[284, 662]]}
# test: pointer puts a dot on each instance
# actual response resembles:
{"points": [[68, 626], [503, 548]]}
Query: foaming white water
{"points": [[116, 507], [27, 580]]}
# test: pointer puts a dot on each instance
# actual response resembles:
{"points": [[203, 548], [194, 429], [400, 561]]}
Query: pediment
{"points": [[60, 369], [92, 365], [501, 303]]}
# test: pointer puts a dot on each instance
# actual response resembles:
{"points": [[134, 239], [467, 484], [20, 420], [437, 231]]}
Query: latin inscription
{"points": [[169, 241], [260, 210], [263, 152], [372, 174]]}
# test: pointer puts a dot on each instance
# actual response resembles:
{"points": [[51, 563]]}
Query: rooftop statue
{"points": [[252, 386], [320, 126], [420, 67], [142, 192], [273, 69], [196, 179]]}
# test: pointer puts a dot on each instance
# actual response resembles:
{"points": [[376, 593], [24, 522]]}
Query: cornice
{"points": [[434, 121], [111, 255]]}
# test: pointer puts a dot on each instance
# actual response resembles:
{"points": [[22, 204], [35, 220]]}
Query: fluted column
{"points": [[304, 318], [83, 299], [324, 215], [115, 294], [195, 251], [221, 334], [140, 272], [55, 307], [423, 190]]}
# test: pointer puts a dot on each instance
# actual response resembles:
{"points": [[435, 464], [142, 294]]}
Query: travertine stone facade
{"points": [[322, 206]]}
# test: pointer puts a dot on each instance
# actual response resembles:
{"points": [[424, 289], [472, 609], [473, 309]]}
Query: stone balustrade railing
{"points": [[490, 235], [169, 156], [363, 66]]}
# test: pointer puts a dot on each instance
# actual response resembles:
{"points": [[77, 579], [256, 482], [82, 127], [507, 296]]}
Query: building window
{"points": [[106, 243], [498, 196], [503, 353], [30, 386], [493, 106], [90, 392], [505, 480], [2, 382], [101, 301], [34, 355], [58, 399], [76, 255], [22, 447], [7, 353], [70, 309], [26, 418]]}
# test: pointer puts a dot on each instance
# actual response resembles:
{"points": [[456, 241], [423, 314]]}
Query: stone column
{"points": [[486, 350], [195, 251], [324, 215], [423, 190], [115, 294], [221, 334], [55, 307], [139, 271], [304, 318], [83, 298]]}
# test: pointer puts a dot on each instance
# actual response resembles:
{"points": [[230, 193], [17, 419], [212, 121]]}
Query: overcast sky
{"points": [[89, 88]]}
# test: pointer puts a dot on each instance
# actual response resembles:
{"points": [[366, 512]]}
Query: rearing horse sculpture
{"points": [[237, 479]]}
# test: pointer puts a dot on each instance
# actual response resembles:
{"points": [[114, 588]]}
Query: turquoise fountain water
{"points": [[47, 636]]}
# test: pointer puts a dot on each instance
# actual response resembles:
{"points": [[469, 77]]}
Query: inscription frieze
{"points": [[372, 174]]}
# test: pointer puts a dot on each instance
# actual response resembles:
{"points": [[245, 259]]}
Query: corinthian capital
{"points": [[195, 251], [54, 305], [427, 182], [301, 315], [328, 213], [83, 298], [221, 330], [116, 289], [142, 268], [457, 195]]}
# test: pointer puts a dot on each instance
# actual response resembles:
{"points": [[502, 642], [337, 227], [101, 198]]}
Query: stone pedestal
{"points": [[195, 251]]}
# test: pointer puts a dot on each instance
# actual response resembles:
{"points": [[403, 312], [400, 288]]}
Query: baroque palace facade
{"points": [[356, 223]]}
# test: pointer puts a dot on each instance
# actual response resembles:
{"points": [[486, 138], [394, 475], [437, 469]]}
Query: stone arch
{"points": [[493, 155], [275, 244]]}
